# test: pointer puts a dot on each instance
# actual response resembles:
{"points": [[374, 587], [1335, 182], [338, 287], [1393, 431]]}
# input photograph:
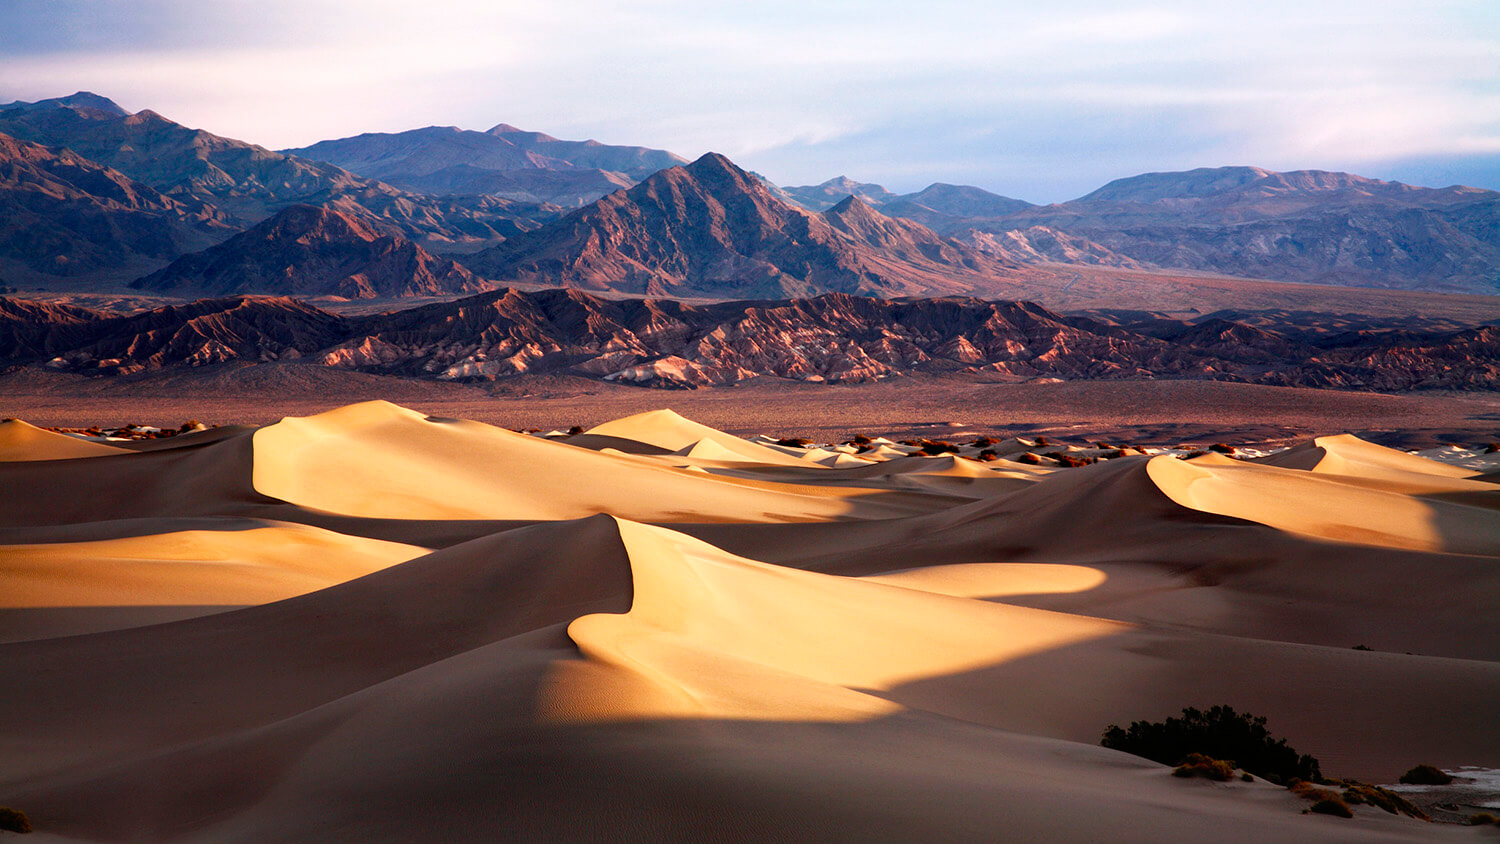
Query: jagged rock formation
{"points": [[63, 215], [201, 333], [711, 229], [247, 182], [668, 343], [308, 251], [31, 330], [504, 161]]}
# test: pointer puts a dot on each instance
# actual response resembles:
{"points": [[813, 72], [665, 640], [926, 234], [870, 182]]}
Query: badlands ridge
{"points": [[371, 624]]}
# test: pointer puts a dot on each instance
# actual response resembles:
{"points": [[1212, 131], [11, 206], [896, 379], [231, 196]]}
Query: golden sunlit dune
{"points": [[388, 626]]}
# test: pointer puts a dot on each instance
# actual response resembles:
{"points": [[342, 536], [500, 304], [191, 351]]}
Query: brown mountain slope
{"points": [[711, 229], [1308, 226], [248, 182], [63, 215], [505, 161], [308, 251]]}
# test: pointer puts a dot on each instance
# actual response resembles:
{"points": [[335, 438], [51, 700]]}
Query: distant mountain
{"points": [[830, 193], [83, 100], [1044, 245], [669, 343], [635, 162], [505, 161], [711, 229], [247, 182], [62, 215], [1309, 226], [309, 251], [947, 208]]}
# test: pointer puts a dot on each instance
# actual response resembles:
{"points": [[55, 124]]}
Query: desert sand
{"points": [[370, 624]]}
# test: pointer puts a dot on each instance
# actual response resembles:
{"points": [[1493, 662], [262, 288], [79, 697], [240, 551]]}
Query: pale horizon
{"points": [[1041, 105]]}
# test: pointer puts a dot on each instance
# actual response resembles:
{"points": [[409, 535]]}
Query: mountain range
{"points": [[97, 197], [709, 229], [671, 343], [503, 161]]}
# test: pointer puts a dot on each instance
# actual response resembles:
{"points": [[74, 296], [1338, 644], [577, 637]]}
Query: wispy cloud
{"points": [[1040, 101]]}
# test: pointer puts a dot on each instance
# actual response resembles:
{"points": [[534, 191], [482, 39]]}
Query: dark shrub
{"points": [[1112, 454], [1332, 806], [14, 821], [1029, 459], [1198, 765], [575, 430], [1222, 448], [1071, 461], [984, 442], [794, 442], [1492, 448], [987, 456], [1362, 648], [1425, 775], [1190, 455], [1220, 733], [1042, 441], [938, 447], [1483, 819], [859, 439]]}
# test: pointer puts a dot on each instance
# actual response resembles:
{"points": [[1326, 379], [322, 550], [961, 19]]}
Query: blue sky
{"points": [[1039, 101]]}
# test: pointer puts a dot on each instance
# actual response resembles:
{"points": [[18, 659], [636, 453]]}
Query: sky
{"points": [[1040, 101]]}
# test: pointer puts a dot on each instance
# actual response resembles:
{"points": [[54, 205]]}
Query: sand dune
{"points": [[654, 630], [20, 441]]}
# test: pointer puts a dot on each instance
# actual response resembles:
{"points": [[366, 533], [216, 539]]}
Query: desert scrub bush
{"points": [[1425, 775], [1222, 448], [1482, 819], [1220, 733], [1029, 459], [12, 820], [1325, 802], [985, 442], [936, 447], [794, 442], [1332, 806], [1198, 765], [858, 439], [987, 456], [1356, 792], [575, 430]]}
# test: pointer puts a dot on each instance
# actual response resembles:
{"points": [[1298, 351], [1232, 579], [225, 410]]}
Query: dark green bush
{"points": [[14, 821], [1220, 733], [1425, 775]]}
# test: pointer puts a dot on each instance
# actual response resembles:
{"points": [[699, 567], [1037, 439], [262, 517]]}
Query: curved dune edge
{"points": [[705, 625], [1346, 454], [22, 441], [1314, 504], [377, 460], [194, 567]]}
